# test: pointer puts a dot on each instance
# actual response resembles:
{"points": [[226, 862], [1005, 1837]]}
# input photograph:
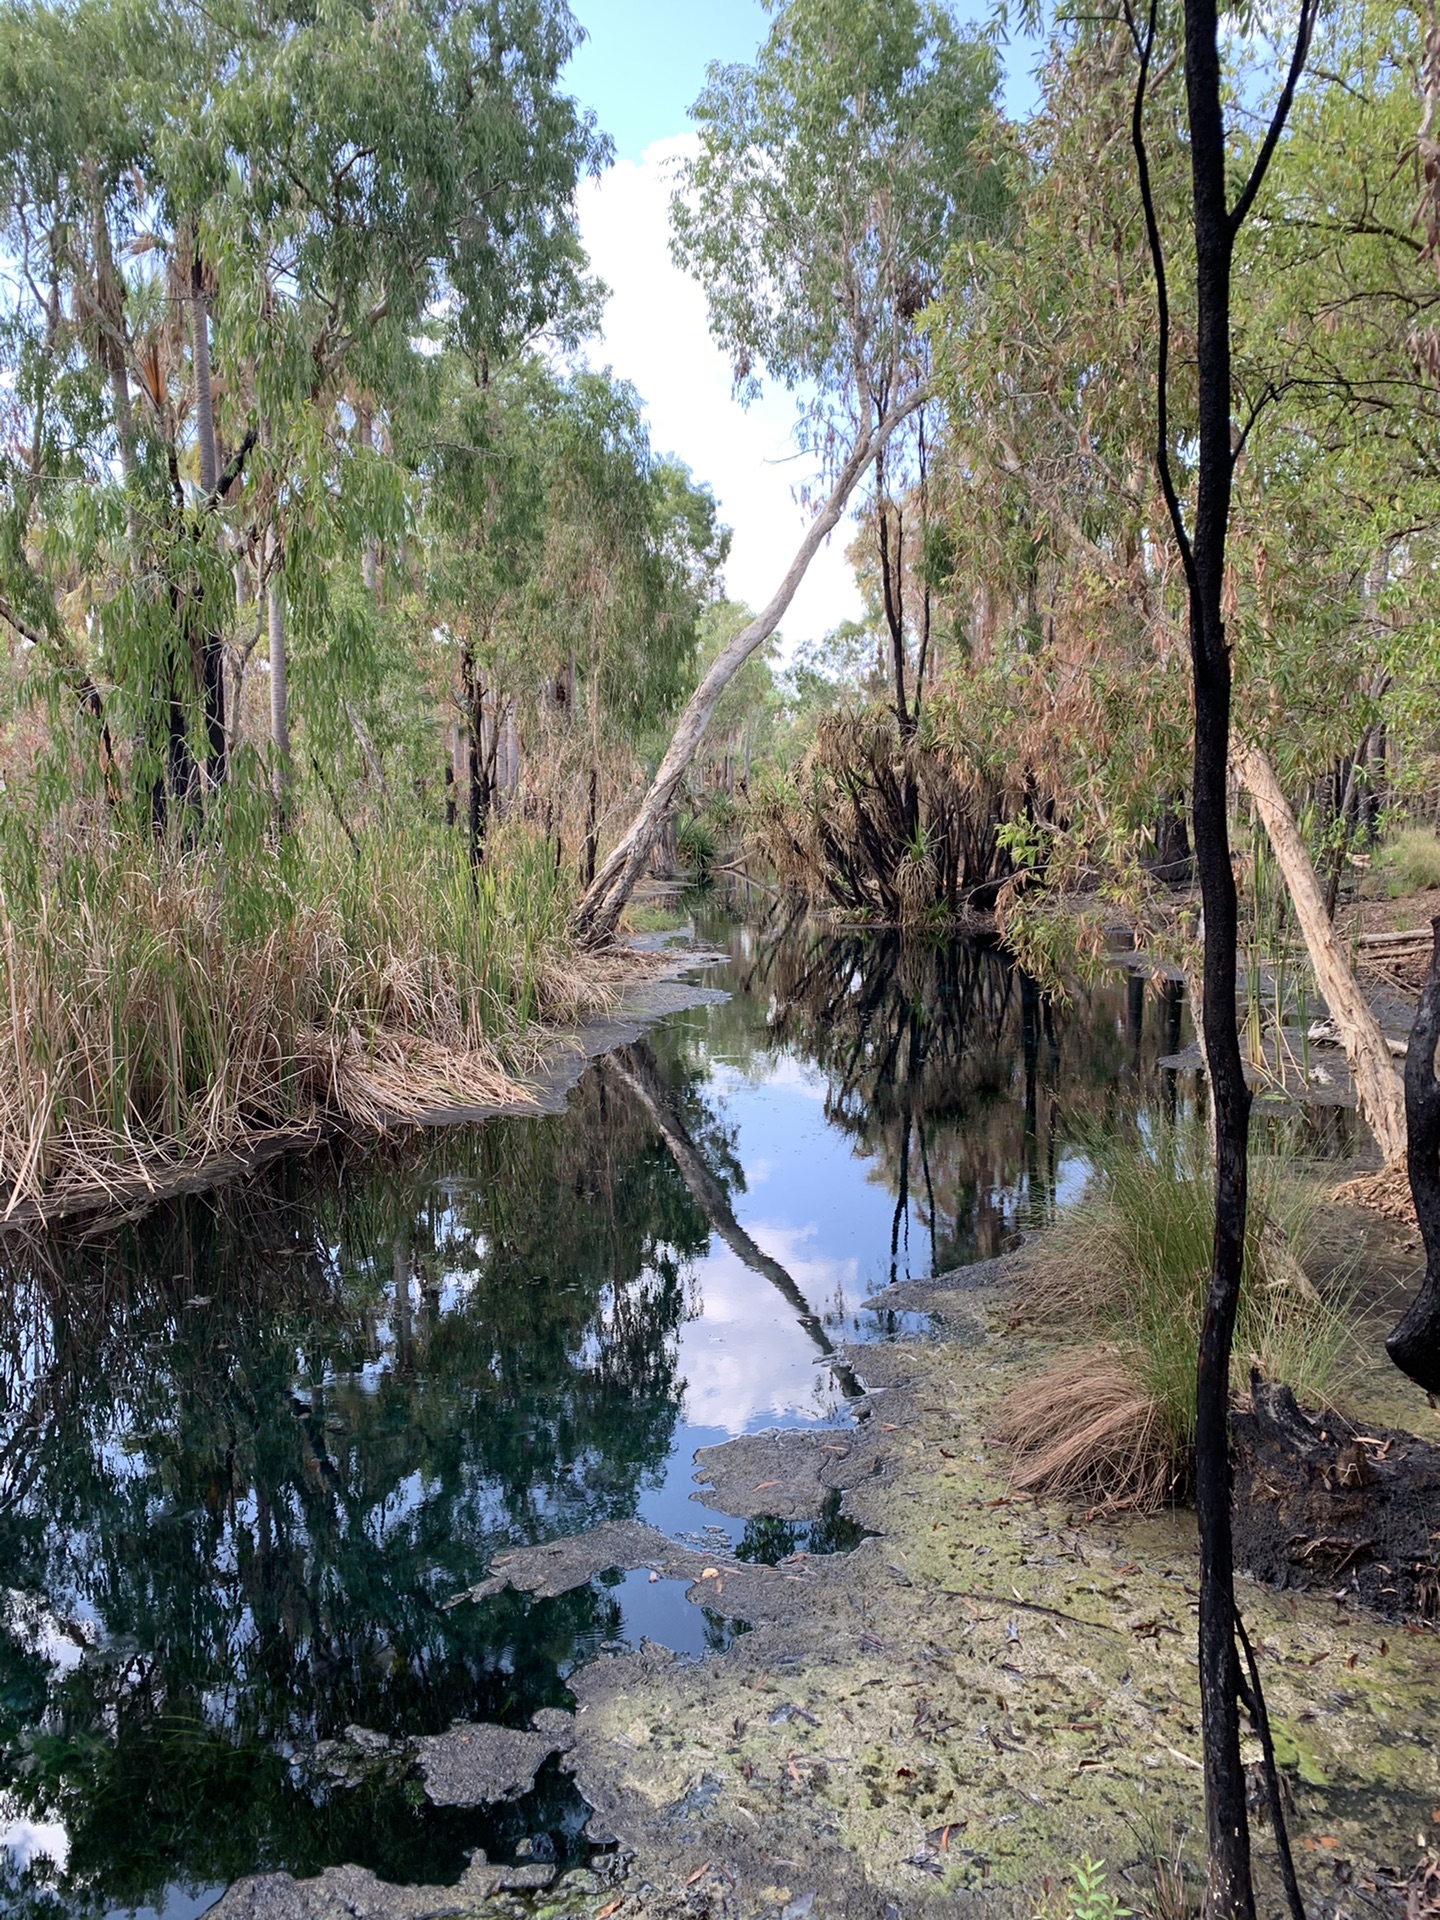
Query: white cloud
{"points": [[656, 336], [27, 1841], [745, 1358]]}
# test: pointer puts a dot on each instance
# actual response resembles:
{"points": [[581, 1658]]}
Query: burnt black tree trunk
{"points": [[1414, 1345], [592, 830], [479, 763], [892, 590], [1230, 1891]]}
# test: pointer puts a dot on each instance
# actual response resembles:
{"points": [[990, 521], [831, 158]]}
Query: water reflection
{"points": [[251, 1444]]}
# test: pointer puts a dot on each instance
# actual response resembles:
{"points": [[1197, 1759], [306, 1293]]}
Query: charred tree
{"points": [[1201, 544], [1414, 1345]]}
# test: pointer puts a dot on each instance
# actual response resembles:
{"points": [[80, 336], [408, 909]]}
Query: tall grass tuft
{"points": [[1125, 1273], [160, 1005], [1410, 863]]}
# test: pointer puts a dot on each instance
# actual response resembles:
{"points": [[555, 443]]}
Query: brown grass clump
{"points": [[1084, 1426], [161, 1008], [1124, 1276]]}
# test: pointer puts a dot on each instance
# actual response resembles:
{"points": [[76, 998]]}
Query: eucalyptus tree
{"points": [[568, 565], [833, 176], [299, 193]]}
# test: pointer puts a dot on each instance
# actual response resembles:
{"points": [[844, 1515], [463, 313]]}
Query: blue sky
{"points": [[645, 60], [640, 70]]}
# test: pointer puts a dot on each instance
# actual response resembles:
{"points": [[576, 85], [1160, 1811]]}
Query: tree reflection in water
{"points": [[252, 1443], [950, 1070]]}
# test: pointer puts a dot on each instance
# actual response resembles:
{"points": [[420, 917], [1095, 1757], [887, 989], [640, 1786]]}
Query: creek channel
{"points": [[252, 1442]]}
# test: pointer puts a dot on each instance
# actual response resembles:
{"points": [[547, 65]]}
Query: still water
{"points": [[251, 1444]]}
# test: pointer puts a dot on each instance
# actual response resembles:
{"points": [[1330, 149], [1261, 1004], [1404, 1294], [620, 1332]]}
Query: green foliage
{"points": [[1410, 863], [1089, 1897], [166, 1004], [696, 843], [1137, 1255], [834, 173]]}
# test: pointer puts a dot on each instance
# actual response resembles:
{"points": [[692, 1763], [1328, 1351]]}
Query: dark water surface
{"points": [[253, 1443]]}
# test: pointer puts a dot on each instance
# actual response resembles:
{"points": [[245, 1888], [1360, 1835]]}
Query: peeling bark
{"points": [[1377, 1085]]}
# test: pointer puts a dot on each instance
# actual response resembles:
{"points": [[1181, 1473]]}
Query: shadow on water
{"points": [[253, 1442]]}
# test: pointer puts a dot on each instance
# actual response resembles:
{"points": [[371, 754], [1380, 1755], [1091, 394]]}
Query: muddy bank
{"points": [[944, 1717]]}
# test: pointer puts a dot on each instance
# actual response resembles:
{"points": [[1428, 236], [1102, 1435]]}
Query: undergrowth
{"points": [[1124, 1275], [1410, 863], [163, 1003]]}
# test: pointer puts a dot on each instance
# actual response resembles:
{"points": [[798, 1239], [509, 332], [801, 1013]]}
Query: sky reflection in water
{"points": [[251, 1444]]}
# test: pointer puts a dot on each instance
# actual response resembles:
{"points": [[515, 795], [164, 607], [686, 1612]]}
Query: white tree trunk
{"points": [[603, 900], [370, 555], [279, 684], [1377, 1085], [204, 397]]}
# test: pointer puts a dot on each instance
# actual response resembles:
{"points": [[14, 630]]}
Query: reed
{"points": [[162, 1005]]}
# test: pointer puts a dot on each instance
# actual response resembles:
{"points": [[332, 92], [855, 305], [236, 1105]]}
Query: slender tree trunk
{"points": [[1377, 1085], [477, 761], [600, 907], [1345, 809], [1414, 1345], [113, 349], [211, 644], [370, 555], [204, 398], [892, 593], [279, 691], [592, 817], [1230, 1891]]}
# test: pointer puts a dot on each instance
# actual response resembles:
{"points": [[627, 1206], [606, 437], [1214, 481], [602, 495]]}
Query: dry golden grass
{"points": [[1085, 1427], [156, 1012]]}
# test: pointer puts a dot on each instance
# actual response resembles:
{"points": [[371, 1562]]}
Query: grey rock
{"points": [[473, 1765]]}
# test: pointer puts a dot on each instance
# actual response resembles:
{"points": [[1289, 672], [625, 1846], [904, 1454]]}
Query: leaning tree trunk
{"points": [[1377, 1085], [602, 903], [1414, 1345]]}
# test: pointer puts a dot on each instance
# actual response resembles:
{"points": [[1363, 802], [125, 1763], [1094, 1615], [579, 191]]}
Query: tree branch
{"points": [[1277, 120], [1144, 48], [232, 473]]}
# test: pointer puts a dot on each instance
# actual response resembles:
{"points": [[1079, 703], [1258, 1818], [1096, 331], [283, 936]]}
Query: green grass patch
{"points": [[162, 1003], [1410, 863], [1124, 1275]]}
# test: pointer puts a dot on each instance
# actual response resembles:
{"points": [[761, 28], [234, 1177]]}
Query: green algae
{"points": [[994, 1683]]}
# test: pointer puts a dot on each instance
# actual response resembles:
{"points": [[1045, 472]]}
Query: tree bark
{"points": [[1230, 1889], [592, 819], [600, 906], [370, 554], [1414, 1345], [279, 690], [1377, 1085], [204, 396]]}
